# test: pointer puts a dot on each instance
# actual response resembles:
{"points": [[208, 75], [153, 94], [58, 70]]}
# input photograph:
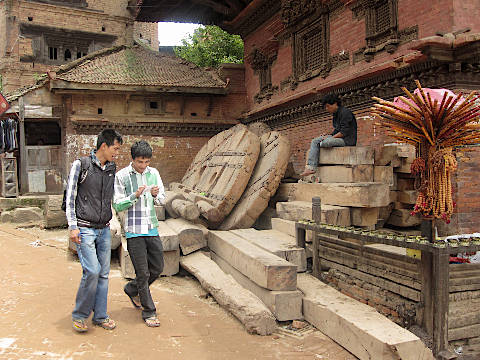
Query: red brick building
{"points": [[296, 51], [165, 100], [39, 35]]}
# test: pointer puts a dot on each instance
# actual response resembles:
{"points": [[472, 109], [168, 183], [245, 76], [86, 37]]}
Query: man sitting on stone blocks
{"points": [[344, 132]]}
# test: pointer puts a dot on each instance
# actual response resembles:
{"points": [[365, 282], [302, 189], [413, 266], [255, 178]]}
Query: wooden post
{"points": [[300, 235], [316, 216], [426, 266], [441, 292], [22, 148]]}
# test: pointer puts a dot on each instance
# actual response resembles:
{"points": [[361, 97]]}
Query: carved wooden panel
{"points": [[269, 170]]}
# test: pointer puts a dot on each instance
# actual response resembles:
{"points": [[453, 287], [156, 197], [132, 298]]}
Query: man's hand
{"points": [[140, 190], [154, 190], [75, 236]]}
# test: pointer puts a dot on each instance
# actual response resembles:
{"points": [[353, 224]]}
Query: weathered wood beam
{"points": [[215, 6]]}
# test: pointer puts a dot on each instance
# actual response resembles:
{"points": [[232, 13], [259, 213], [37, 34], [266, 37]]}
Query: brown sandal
{"points": [[152, 321], [107, 324]]}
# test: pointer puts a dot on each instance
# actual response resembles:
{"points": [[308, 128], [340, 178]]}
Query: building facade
{"points": [[40, 35]]}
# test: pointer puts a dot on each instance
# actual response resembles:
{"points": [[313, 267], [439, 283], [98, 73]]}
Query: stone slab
{"points": [[269, 170], [22, 215], [299, 210], [357, 327], [245, 306], [345, 194], [190, 236], [277, 243], [348, 155], [260, 266], [54, 215], [344, 173], [284, 305]]}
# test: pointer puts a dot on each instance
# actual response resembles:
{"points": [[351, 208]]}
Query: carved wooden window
{"points": [[262, 65], [381, 26], [311, 49]]}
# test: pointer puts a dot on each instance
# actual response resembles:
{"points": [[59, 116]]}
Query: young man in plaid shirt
{"points": [[137, 188]]}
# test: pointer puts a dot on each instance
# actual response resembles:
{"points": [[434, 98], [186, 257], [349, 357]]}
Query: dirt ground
{"points": [[38, 282]]}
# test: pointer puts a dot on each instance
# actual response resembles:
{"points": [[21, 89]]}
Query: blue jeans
{"points": [[319, 142], [94, 255]]}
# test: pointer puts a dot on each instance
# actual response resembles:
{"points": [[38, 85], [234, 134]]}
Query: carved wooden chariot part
{"points": [[220, 172], [269, 170]]}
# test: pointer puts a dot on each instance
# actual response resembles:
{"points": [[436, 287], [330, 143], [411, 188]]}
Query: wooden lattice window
{"points": [[312, 50], [381, 26]]}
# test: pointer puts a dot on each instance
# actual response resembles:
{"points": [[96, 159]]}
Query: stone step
{"points": [[299, 210], [260, 266], [344, 194], [244, 305], [344, 173], [357, 327], [277, 243], [284, 305], [348, 155]]}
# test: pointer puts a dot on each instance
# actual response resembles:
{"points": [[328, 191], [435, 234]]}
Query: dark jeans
{"points": [[146, 253]]}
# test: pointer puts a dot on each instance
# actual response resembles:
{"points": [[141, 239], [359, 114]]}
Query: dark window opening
{"points": [[141, 36], [79, 55], [153, 105], [42, 133], [193, 114], [52, 53], [67, 55], [100, 111], [30, 18], [103, 28]]}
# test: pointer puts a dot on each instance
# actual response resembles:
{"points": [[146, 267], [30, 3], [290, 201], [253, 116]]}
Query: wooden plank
{"points": [[440, 273], [168, 236], [459, 321], [277, 243], [284, 305], [245, 306], [260, 266], [337, 256], [334, 246], [391, 260], [395, 277], [396, 288], [357, 327], [466, 332]]}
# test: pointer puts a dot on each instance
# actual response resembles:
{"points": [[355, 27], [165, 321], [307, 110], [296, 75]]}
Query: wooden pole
{"points": [[22, 148], [441, 295], [426, 266], [316, 216]]}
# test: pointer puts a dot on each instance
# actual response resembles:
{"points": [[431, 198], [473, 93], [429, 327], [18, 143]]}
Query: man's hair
{"points": [[141, 149], [108, 136], [331, 99]]}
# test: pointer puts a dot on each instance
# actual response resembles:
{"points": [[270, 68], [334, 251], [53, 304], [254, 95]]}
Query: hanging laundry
{"points": [[8, 135]]}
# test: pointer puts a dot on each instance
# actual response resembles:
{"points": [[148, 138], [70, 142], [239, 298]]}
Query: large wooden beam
{"points": [[265, 269], [356, 326], [245, 306]]}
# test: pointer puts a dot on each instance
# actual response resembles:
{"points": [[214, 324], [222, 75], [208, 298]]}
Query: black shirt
{"points": [[344, 122]]}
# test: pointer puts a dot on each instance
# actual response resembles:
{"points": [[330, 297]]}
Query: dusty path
{"points": [[38, 285]]}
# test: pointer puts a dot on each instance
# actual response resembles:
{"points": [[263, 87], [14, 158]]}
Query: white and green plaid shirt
{"points": [[140, 217]]}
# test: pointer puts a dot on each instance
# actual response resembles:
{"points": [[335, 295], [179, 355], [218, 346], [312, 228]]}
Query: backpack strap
{"points": [[85, 162]]}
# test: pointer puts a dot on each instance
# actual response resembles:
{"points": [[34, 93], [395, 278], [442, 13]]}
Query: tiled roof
{"points": [[15, 94], [138, 66]]}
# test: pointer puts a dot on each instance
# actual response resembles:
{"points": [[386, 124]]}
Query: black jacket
{"points": [[344, 122], [94, 196]]}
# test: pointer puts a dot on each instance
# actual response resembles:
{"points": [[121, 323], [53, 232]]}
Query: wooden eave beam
{"points": [[65, 87]]}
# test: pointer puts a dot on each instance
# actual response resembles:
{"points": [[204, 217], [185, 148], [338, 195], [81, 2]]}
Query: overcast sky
{"points": [[170, 34]]}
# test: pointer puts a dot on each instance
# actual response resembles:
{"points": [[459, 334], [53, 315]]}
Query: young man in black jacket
{"points": [[344, 132], [88, 210]]}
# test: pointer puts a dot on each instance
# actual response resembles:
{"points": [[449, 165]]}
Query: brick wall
{"points": [[101, 17], [171, 155]]}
